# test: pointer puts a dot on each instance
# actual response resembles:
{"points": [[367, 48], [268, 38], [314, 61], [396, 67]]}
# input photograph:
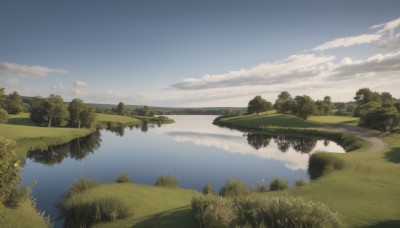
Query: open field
{"points": [[117, 119]]}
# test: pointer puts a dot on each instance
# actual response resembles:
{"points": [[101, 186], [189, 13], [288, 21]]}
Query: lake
{"points": [[193, 150]]}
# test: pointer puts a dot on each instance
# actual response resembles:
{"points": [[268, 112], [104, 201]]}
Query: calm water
{"points": [[193, 150]]}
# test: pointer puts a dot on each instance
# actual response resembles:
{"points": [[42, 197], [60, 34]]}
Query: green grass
{"points": [[270, 120], [117, 119], [150, 206], [352, 121], [23, 216]]}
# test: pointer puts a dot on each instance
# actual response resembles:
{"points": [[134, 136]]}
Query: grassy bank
{"points": [[149, 206], [364, 192]]}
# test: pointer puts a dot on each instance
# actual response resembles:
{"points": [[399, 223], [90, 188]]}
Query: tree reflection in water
{"points": [[76, 149], [300, 144]]}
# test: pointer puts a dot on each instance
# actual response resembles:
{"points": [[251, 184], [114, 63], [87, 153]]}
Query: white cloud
{"points": [[293, 68], [16, 70], [349, 41], [388, 26], [79, 83]]}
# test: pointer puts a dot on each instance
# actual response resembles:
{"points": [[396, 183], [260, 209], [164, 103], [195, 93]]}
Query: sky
{"points": [[187, 53]]}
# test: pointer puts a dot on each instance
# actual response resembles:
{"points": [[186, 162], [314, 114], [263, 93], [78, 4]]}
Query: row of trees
{"points": [[12, 103], [53, 112], [301, 106], [376, 110]]}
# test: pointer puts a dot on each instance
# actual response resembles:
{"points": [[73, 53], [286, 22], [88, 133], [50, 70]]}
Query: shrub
{"points": [[78, 213], [233, 188], [17, 196], [208, 189], [300, 182], [321, 163], [283, 212], [9, 168], [166, 181], [81, 185], [3, 116], [123, 178], [212, 211], [278, 184]]}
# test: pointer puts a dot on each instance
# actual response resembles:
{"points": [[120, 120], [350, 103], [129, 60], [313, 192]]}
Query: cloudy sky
{"points": [[198, 53]]}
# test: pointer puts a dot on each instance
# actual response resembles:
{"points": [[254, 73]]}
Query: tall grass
{"points": [[80, 186], [233, 188], [321, 163], [166, 181], [278, 184], [213, 211], [80, 213], [123, 178], [283, 212]]}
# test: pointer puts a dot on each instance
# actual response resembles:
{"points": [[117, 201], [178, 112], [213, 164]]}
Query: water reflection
{"points": [[293, 152], [77, 149], [119, 128]]}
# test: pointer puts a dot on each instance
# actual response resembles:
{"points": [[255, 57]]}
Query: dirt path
{"points": [[377, 143]]}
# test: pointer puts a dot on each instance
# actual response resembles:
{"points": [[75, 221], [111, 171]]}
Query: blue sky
{"points": [[198, 53]]}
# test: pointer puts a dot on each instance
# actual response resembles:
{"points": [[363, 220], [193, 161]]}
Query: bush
{"points": [[17, 196], [3, 116], [233, 188], [123, 178], [278, 184], [212, 211], [321, 163], [78, 213], [208, 189], [300, 182], [166, 181], [283, 212], [9, 168], [80, 186]]}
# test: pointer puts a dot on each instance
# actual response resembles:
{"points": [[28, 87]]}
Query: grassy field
{"points": [[117, 119], [30, 136], [272, 120], [149, 206], [23, 217]]}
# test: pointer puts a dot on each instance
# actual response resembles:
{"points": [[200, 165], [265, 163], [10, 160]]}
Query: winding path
{"points": [[377, 143]]}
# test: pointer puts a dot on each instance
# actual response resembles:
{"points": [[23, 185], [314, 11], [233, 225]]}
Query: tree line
{"points": [[376, 110], [50, 112]]}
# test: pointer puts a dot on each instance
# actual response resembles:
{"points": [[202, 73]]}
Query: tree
{"points": [[51, 111], [14, 103], [387, 99], [258, 104], [303, 106], [365, 95], [75, 109], [9, 168], [81, 114], [3, 116], [382, 119], [325, 106], [283, 103], [120, 108], [361, 110]]}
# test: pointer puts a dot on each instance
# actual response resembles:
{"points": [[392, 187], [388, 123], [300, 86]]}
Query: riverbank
{"points": [[364, 192]]}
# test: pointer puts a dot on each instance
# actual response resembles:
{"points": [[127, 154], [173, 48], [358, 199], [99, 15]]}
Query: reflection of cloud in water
{"points": [[238, 144]]}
